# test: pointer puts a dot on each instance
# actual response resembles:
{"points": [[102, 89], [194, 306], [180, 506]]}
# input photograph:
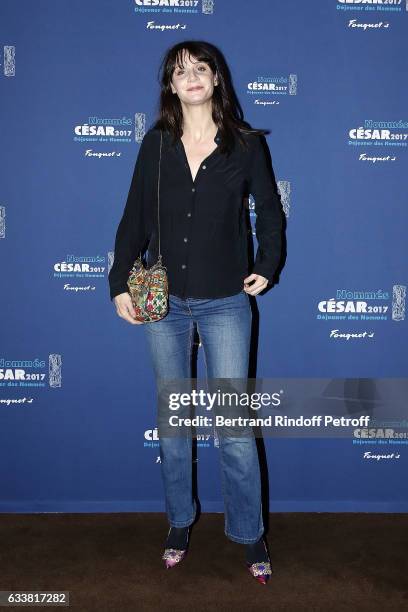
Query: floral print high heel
{"points": [[173, 556], [261, 570]]}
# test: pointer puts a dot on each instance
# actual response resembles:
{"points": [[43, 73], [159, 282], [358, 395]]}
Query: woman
{"points": [[210, 161]]}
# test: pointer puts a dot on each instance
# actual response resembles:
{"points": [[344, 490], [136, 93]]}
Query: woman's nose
{"points": [[191, 75]]}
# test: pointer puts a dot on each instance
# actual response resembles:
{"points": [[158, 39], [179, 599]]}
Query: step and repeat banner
{"points": [[78, 90]]}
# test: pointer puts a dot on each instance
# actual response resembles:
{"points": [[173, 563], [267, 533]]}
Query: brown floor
{"points": [[321, 561]]}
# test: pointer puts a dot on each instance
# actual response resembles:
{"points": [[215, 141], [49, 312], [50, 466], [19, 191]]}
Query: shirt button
{"points": [[189, 214], [183, 266], [185, 239], [193, 189], [204, 167]]}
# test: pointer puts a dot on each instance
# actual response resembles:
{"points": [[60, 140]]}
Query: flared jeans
{"points": [[224, 327]]}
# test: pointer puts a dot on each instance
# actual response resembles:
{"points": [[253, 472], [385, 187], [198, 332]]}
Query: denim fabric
{"points": [[224, 327]]}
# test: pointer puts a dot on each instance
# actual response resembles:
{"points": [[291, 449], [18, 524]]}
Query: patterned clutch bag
{"points": [[148, 287]]}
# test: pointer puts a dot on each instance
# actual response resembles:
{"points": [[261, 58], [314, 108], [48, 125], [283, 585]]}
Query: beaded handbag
{"points": [[148, 287]]}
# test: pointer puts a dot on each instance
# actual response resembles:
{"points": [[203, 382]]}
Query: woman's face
{"points": [[193, 83]]}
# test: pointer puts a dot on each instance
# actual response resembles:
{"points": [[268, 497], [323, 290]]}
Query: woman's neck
{"points": [[198, 126]]}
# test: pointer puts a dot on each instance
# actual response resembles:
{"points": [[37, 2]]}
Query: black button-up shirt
{"points": [[204, 224]]}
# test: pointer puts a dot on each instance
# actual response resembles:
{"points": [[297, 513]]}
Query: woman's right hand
{"points": [[124, 308]]}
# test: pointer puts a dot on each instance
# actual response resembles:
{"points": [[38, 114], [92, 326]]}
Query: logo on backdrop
{"points": [[2, 221], [380, 456], [31, 373], [363, 305], [368, 8], [9, 60], [263, 87], [110, 130], [382, 433], [394, 6], [174, 7], [14, 401], [151, 439], [380, 135], [116, 130], [79, 268]]}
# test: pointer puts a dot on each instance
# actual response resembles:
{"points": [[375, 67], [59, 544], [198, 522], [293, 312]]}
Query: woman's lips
{"points": [[194, 88]]}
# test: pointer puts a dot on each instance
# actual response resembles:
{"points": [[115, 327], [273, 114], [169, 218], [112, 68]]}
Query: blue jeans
{"points": [[224, 327]]}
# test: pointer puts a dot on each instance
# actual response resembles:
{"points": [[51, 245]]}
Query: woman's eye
{"points": [[181, 70]]}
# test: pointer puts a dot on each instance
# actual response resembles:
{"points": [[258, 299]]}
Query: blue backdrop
{"points": [[79, 89]]}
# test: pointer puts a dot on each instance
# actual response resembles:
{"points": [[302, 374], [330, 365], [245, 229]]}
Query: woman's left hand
{"points": [[259, 285]]}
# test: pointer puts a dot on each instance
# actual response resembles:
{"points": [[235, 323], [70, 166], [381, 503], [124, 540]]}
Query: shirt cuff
{"points": [[264, 271], [117, 290]]}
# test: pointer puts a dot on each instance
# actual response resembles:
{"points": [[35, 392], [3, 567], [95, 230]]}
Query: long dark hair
{"points": [[226, 110]]}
